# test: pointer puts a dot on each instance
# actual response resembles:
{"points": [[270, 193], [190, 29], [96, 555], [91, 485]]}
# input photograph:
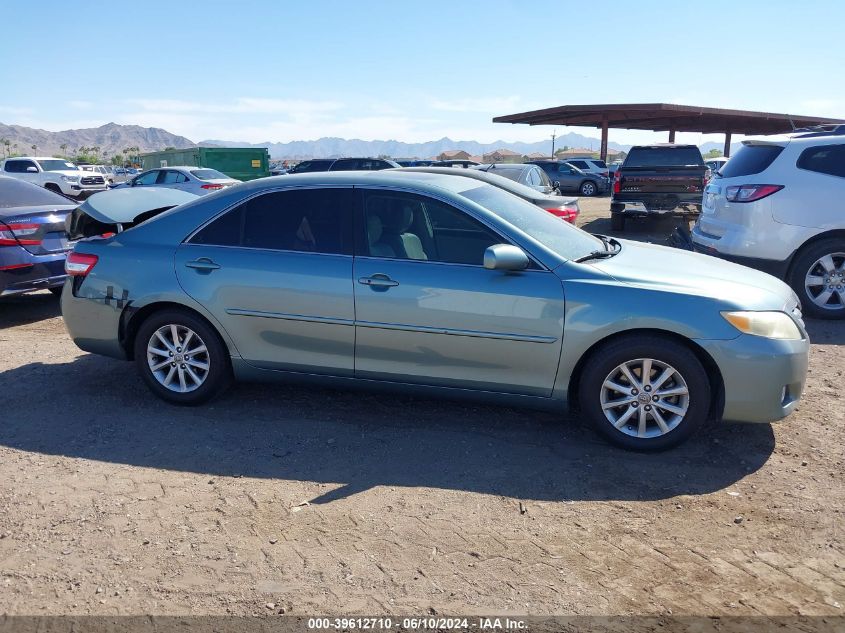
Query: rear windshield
{"points": [[664, 157], [599, 163], [209, 174], [750, 159], [19, 193]]}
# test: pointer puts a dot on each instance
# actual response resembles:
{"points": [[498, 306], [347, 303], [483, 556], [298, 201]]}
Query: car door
{"points": [[276, 272], [19, 168], [568, 178], [146, 179], [428, 312], [173, 179]]}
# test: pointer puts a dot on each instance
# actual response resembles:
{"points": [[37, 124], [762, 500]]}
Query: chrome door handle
{"points": [[379, 280], [203, 263]]}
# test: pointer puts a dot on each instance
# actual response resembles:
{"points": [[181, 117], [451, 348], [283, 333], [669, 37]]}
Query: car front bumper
{"points": [[763, 378]]}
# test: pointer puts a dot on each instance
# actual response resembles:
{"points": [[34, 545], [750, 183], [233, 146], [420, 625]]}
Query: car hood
{"points": [[71, 172], [675, 270]]}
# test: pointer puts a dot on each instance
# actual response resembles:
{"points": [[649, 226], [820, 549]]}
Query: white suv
{"points": [[779, 206], [55, 174], [589, 165]]}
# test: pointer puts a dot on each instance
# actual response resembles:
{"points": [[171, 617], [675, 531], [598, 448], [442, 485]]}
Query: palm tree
{"points": [[5, 142], [63, 147], [35, 149], [15, 146]]}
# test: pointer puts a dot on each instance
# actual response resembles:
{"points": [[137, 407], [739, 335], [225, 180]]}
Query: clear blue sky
{"points": [[414, 71]]}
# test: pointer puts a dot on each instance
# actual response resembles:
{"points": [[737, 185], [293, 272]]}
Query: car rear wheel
{"points": [[645, 393], [818, 278], [588, 188], [181, 358]]}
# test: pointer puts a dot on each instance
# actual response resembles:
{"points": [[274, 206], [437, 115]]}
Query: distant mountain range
{"points": [[111, 138], [331, 147]]}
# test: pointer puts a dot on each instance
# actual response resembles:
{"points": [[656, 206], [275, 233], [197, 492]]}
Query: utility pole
{"points": [[554, 134]]}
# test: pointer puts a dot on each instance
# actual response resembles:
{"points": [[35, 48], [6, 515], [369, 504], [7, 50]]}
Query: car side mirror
{"points": [[32, 170], [505, 257]]}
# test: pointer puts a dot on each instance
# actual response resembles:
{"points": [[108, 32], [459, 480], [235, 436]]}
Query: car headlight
{"points": [[70, 178], [777, 325]]}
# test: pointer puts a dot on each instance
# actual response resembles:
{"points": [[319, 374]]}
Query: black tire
{"points": [[617, 222], [602, 365], [588, 188], [219, 373], [805, 263]]}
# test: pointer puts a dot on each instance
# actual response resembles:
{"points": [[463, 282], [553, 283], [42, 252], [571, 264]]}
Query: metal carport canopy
{"points": [[667, 117]]}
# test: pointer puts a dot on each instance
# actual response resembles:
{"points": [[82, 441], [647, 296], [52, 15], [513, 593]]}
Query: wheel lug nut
{"points": [[648, 407], [171, 353], [655, 398], [634, 392], [647, 388], [173, 364], [183, 365], [635, 404], [178, 349]]}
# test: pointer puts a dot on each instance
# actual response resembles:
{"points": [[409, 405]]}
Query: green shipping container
{"points": [[243, 163]]}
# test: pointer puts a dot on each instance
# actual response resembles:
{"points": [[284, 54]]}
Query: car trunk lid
{"points": [[39, 230]]}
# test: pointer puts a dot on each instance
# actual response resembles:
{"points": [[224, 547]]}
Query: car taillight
{"points": [[18, 233], [80, 264], [211, 187], [750, 193], [706, 178], [565, 212], [617, 181]]}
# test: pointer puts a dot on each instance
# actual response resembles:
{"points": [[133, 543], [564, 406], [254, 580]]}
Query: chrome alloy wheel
{"points": [[644, 398], [825, 282], [178, 358]]}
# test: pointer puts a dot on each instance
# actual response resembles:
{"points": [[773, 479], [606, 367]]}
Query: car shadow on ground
{"points": [[826, 332], [28, 308], [98, 409]]}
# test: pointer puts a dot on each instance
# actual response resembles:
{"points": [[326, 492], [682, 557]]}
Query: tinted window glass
{"points": [[407, 226], [599, 163], [309, 220], [826, 159], [19, 193], [57, 165], [580, 164], [18, 166], [544, 179], [172, 178], [750, 159], [224, 231], [663, 157], [312, 165]]}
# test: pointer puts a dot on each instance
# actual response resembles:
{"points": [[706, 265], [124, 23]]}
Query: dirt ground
{"points": [[310, 501]]}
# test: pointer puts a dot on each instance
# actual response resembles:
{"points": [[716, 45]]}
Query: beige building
{"points": [[453, 154], [502, 156]]}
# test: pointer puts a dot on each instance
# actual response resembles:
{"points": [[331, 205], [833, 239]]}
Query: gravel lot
{"points": [[309, 501]]}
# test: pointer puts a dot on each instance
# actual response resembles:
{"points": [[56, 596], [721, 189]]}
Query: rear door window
{"points": [[580, 164], [750, 160], [307, 220], [824, 159], [346, 164], [148, 178]]}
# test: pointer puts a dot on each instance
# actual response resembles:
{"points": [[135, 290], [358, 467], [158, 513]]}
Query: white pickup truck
{"points": [[55, 174]]}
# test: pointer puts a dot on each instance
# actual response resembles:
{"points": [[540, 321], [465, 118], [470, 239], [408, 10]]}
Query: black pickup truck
{"points": [[658, 180]]}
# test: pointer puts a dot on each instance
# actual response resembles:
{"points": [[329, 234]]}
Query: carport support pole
{"points": [[727, 152], [603, 150], [671, 136]]}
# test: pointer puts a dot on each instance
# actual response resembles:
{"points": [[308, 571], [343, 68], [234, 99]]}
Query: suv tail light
{"points": [[617, 181], [750, 193], [211, 186], [18, 234], [80, 264]]}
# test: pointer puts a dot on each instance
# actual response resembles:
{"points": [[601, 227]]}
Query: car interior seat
{"points": [[396, 222]]}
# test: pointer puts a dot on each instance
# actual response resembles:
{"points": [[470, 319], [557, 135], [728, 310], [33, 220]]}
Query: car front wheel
{"points": [[818, 278], [181, 358], [645, 393]]}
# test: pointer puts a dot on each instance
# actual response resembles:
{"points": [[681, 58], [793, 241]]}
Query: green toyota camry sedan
{"points": [[433, 283]]}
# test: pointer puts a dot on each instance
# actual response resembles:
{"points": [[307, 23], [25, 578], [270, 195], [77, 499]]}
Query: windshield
{"points": [[209, 174], [57, 165], [558, 236], [19, 193], [663, 157]]}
